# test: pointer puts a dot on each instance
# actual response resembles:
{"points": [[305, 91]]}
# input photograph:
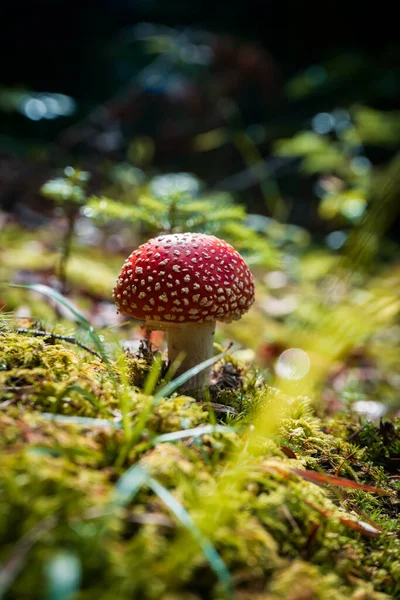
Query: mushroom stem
{"points": [[195, 343]]}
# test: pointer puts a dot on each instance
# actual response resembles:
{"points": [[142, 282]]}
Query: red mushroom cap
{"points": [[185, 278]]}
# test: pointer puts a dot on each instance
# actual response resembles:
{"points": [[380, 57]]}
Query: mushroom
{"points": [[183, 283]]}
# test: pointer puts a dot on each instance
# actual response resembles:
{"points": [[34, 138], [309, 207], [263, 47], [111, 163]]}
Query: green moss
{"points": [[51, 378], [279, 535], [302, 581]]}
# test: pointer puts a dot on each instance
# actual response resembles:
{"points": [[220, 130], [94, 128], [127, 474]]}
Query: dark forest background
{"points": [[349, 53]]}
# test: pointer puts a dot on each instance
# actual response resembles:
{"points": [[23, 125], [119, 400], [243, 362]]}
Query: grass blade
{"points": [[124, 395], [57, 297], [152, 377], [88, 421], [216, 562], [129, 484], [87, 394], [176, 383], [194, 432], [169, 389]]}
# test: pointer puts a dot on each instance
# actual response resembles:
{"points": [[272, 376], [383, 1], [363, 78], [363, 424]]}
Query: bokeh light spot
{"points": [[323, 123], [336, 239], [360, 165], [34, 109], [293, 364], [353, 208], [369, 408]]}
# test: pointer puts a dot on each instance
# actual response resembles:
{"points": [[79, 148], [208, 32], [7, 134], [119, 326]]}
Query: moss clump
{"points": [[382, 441], [279, 535], [51, 377], [302, 581]]}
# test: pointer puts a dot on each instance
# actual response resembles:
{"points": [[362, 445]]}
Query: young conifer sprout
{"points": [[182, 284]]}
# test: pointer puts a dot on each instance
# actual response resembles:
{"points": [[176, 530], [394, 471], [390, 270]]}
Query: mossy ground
{"points": [[63, 530]]}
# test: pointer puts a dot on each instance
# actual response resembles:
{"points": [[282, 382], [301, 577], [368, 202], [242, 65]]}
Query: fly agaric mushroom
{"points": [[182, 284]]}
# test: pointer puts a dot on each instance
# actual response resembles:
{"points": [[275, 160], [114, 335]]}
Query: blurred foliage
{"points": [[215, 105], [336, 151], [173, 203], [67, 190]]}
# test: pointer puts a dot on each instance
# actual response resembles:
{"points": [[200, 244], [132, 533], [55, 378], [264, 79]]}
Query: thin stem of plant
{"points": [[66, 249]]}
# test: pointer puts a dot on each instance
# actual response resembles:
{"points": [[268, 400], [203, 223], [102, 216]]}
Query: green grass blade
{"points": [[194, 432], [173, 367], [152, 377], [169, 389], [216, 562], [176, 383], [87, 421], [129, 484], [87, 394], [124, 395], [54, 295]]}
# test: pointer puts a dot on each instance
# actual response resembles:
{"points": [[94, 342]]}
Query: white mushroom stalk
{"points": [[191, 344], [183, 284]]}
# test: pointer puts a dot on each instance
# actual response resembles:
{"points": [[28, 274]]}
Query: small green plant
{"points": [[176, 203], [69, 193]]}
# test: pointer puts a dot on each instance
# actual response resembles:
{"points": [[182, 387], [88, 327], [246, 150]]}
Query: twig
{"points": [[56, 336], [351, 437], [346, 458], [66, 249]]}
